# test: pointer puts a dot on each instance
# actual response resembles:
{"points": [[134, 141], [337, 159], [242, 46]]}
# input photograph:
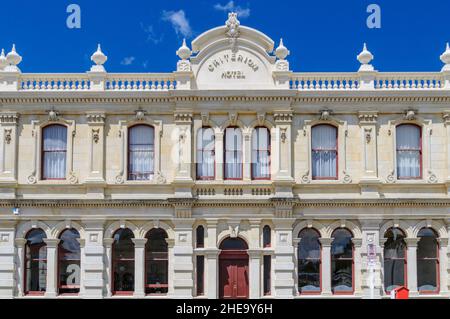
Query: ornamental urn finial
{"points": [[3, 61], [99, 58], [13, 59], [365, 57], [445, 58], [184, 52], [281, 52]]}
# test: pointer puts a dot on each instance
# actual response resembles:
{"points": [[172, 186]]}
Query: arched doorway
{"points": [[233, 269]]}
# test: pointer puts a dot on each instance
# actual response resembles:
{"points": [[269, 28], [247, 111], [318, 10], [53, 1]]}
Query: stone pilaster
{"points": [[219, 147], [326, 265], [107, 243], [443, 266], [283, 258], [357, 243], [211, 253], [282, 154], [20, 264], [139, 267], [255, 257], [371, 275], [183, 155], [52, 267], [7, 255], [8, 159], [95, 179], [94, 261], [412, 265]]}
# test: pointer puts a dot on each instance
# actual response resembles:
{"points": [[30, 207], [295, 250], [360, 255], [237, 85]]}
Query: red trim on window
{"points": [[416, 150], [25, 259], [336, 150], [213, 155], [58, 270], [353, 267], [152, 154], [438, 274], [269, 151], [43, 151]]}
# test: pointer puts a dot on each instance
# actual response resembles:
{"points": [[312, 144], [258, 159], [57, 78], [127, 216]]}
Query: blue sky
{"points": [[143, 35]]}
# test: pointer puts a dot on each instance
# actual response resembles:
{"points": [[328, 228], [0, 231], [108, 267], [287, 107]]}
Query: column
{"points": [[182, 139], [326, 265], [382, 241], [184, 274], [170, 245], [82, 258], [139, 267], [20, 264], [412, 265], [295, 243], [94, 263], [357, 243], [107, 242], [255, 273], [211, 259], [443, 265], [446, 119], [219, 155], [7, 256], [283, 258], [52, 267], [247, 156], [95, 181], [8, 157], [282, 154], [370, 272]]}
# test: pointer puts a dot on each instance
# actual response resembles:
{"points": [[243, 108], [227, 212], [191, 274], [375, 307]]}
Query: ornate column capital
{"points": [[283, 117], [326, 242], [82, 242], [108, 242], [357, 242], [446, 117], [183, 116], [95, 118], [296, 241], [20, 242], [254, 253], [412, 242], [51, 242], [9, 118], [170, 242], [139, 242], [443, 242], [368, 117]]}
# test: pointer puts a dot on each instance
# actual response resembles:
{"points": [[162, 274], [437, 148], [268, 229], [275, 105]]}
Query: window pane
{"points": [[267, 272], [394, 274], [124, 275], [266, 236], [35, 261], [157, 262], [342, 275], [200, 236], [309, 254], [200, 275], [141, 152], [233, 153], [54, 152], [69, 261], [324, 151], [342, 246], [427, 261], [205, 153], [261, 153], [408, 151], [427, 275], [123, 260]]}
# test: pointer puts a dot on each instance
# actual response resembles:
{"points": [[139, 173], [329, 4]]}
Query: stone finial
{"points": [[445, 58], [365, 57], [13, 59], [232, 25], [281, 52], [184, 52], [3, 61], [99, 58]]}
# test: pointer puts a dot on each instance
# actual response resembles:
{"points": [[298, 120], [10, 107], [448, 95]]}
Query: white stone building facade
{"points": [[319, 185]]}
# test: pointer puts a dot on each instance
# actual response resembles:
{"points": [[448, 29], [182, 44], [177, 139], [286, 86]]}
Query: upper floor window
{"points": [[342, 261], [409, 151], [200, 236], [267, 236], [141, 152], [261, 153], [69, 257], [233, 153], [427, 261], [394, 259], [205, 153], [54, 150], [324, 152], [35, 262]]}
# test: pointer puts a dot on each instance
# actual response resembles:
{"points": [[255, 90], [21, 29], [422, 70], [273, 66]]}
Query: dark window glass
{"points": [[324, 152], [123, 261], [205, 153], [342, 261], [409, 151], [157, 262], [267, 236], [35, 262], [261, 153], [394, 259], [267, 272], [233, 244], [200, 234], [309, 262], [54, 149], [69, 262], [427, 261], [141, 149], [200, 275]]}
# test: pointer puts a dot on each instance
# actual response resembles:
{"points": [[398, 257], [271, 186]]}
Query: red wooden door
{"points": [[233, 276]]}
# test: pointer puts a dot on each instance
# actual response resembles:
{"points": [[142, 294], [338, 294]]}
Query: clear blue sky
{"points": [[143, 35]]}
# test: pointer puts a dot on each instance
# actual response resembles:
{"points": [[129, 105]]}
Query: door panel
{"points": [[241, 279], [233, 279]]}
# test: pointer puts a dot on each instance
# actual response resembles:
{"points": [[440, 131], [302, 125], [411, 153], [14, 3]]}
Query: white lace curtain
{"points": [[408, 151], [324, 151], [261, 152], [205, 153], [54, 152], [233, 153], [141, 149]]}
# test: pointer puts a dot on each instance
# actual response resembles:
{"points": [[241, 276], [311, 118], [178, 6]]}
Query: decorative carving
{"points": [[140, 115], [73, 179], [232, 32], [367, 117], [305, 178], [96, 135], [325, 115], [283, 117], [391, 177], [9, 118], [446, 117], [53, 115], [183, 66], [432, 178], [283, 135], [347, 178], [95, 118], [234, 230], [159, 178], [119, 179], [368, 134], [31, 179], [8, 137], [233, 116], [183, 117], [410, 115], [282, 65], [205, 118], [261, 117]]}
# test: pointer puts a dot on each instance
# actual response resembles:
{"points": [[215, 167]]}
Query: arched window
{"points": [[409, 151], [206, 154], [156, 262], [200, 237], [233, 153], [394, 259], [309, 262], [342, 261], [69, 262], [233, 244], [141, 152], [324, 152], [261, 153], [267, 236], [54, 151], [35, 262], [123, 262], [427, 261]]}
